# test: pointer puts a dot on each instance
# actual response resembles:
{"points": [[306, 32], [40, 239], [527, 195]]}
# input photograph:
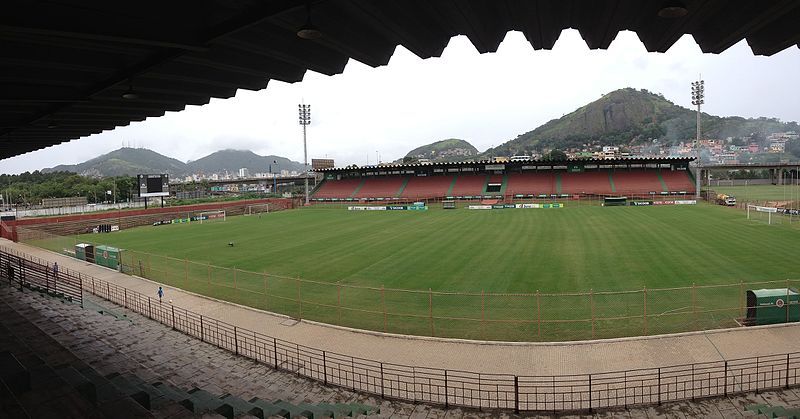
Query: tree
{"points": [[557, 154], [793, 146]]}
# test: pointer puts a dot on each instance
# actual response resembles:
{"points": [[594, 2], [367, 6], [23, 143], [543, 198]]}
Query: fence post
{"points": [[538, 317], [299, 300], [483, 316], [324, 368], [275, 351], [339, 302], [202, 332], [591, 307], [266, 291], [516, 394], [125, 293], [787, 301], [383, 305], [430, 310], [173, 317], [694, 306], [644, 318], [741, 299], [787, 370], [659, 386], [725, 383], [235, 340], [590, 393], [446, 400], [108, 291], [149, 309], [382, 389], [80, 283]]}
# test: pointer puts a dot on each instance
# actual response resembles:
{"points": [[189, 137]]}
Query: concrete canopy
{"points": [[65, 66]]}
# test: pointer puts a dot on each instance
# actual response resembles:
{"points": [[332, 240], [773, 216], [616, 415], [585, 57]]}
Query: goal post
{"points": [[208, 216], [759, 213], [256, 209]]}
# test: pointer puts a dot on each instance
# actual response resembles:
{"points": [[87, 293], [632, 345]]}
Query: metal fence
{"points": [[552, 393], [532, 316], [36, 274]]}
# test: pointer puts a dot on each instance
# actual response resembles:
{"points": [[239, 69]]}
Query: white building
{"points": [[243, 172]]}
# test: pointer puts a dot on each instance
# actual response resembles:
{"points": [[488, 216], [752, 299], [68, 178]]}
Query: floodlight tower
{"points": [[698, 93], [305, 120]]}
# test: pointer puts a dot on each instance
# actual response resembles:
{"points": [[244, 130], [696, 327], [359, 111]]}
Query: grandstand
{"points": [[574, 179]]}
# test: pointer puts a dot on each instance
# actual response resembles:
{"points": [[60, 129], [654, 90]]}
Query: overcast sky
{"points": [[485, 99]]}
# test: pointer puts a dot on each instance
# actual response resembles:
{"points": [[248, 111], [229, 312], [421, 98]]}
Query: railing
{"points": [[554, 393], [28, 272]]}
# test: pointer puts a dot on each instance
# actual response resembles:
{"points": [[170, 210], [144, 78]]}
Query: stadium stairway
{"points": [[41, 378]]}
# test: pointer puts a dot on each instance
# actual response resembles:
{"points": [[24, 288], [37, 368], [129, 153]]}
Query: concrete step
{"points": [[15, 376], [203, 401], [236, 407], [268, 409], [129, 389], [77, 380]]}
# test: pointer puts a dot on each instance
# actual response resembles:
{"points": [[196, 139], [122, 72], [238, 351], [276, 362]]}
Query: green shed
{"points": [[107, 256], [770, 306], [84, 251]]}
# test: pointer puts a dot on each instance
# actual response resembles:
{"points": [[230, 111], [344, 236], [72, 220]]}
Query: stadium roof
{"points": [[73, 68], [513, 164]]}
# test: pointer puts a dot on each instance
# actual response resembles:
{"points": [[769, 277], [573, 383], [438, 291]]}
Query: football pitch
{"points": [[761, 192], [513, 274]]}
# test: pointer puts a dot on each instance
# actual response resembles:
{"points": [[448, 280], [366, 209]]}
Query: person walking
{"points": [[55, 270], [160, 294]]}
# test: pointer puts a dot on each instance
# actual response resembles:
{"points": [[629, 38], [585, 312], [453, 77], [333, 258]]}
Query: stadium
{"points": [[492, 286]]}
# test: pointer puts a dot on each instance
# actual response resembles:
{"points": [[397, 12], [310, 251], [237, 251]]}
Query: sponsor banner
{"points": [[495, 167], [509, 206], [765, 209], [365, 208], [162, 222], [215, 215], [419, 204], [416, 208], [180, 221], [686, 202], [479, 207], [788, 211], [663, 202], [114, 228], [498, 206], [396, 208], [641, 203]]}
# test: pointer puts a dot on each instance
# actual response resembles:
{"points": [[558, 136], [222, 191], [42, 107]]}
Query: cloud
{"points": [[486, 99]]}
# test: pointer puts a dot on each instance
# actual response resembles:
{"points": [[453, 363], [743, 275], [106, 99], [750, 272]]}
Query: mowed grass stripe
{"points": [[553, 250]]}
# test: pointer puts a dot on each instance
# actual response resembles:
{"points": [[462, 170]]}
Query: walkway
{"points": [[121, 341], [487, 357]]}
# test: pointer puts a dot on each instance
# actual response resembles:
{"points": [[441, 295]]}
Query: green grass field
{"points": [[761, 192], [495, 261]]}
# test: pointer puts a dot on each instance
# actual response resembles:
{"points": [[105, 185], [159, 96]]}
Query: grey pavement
{"points": [[485, 357], [121, 341]]}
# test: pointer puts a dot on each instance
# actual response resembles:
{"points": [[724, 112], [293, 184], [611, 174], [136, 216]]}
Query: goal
{"points": [[208, 216], [767, 215], [257, 209]]}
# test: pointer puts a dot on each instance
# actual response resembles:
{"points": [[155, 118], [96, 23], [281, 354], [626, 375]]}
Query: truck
{"points": [[723, 199]]}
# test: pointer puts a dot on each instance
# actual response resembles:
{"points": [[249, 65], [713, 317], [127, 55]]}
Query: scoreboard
{"points": [[153, 185]]}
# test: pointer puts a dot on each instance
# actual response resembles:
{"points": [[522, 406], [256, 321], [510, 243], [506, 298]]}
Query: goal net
{"points": [[211, 216], [768, 215], [257, 209]]}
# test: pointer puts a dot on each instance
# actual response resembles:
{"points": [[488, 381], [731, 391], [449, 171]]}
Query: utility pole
{"points": [[305, 120]]}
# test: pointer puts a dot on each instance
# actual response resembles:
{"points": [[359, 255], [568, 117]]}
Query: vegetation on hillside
{"points": [[30, 188], [451, 149], [628, 117]]}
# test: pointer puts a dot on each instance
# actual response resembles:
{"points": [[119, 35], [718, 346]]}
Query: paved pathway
{"points": [[123, 341], [488, 357]]}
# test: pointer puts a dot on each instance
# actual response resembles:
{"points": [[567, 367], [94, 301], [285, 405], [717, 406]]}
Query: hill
{"points": [[125, 161], [628, 117], [128, 161], [233, 160], [452, 149]]}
